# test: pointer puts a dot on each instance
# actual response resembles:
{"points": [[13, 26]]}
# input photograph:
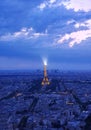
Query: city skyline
{"points": [[59, 30]]}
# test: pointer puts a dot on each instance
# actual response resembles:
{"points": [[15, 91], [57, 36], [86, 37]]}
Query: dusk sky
{"points": [[58, 30]]}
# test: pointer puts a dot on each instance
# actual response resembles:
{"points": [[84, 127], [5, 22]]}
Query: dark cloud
{"points": [[15, 14], [24, 13]]}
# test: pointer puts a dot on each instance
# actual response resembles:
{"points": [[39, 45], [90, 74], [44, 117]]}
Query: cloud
{"points": [[52, 1], [78, 36], [49, 4], [78, 5], [86, 24], [24, 33], [42, 6], [70, 21], [44, 26], [77, 25], [17, 14]]}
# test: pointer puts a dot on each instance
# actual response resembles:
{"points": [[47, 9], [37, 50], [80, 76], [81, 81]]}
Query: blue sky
{"points": [[58, 30]]}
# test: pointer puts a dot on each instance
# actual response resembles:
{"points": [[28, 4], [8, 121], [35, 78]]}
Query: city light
{"points": [[44, 61]]}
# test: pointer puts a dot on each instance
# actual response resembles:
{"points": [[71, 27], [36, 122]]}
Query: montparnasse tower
{"points": [[45, 80]]}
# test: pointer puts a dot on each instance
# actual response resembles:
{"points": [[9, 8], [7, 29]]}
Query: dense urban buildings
{"points": [[65, 104]]}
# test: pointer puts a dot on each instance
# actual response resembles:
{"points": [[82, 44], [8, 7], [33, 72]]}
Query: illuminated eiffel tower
{"points": [[45, 79]]}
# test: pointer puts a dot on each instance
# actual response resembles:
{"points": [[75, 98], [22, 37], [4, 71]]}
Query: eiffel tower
{"points": [[45, 80]]}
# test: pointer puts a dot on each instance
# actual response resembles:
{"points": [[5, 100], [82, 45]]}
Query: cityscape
{"points": [[45, 65], [54, 100]]}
